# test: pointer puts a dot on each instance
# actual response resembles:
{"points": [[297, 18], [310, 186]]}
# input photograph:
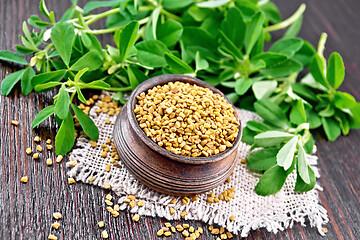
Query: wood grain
{"points": [[26, 209]]}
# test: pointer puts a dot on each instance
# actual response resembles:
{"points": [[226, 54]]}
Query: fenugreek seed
{"points": [[184, 201], [104, 234], [185, 233], [325, 230], [28, 151], [36, 139], [39, 148], [193, 236], [172, 210], [59, 158], [107, 121], [107, 186], [48, 141], [243, 160], [15, 123], [179, 228], [215, 231], [167, 224], [136, 217], [160, 233], [165, 229], [197, 233], [116, 207], [36, 156], [229, 235], [57, 215], [232, 218], [167, 234], [194, 198], [115, 164], [92, 179], [126, 200], [48, 147], [104, 154], [93, 143], [95, 97], [173, 229], [183, 214], [115, 213], [185, 225], [200, 230], [232, 189], [52, 237], [210, 199], [24, 179], [231, 195], [228, 180], [131, 197], [55, 225], [107, 168], [216, 200], [191, 229], [108, 140], [132, 204], [212, 195], [109, 209], [173, 201], [223, 236], [71, 180], [109, 203], [211, 227], [218, 238], [140, 203], [222, 230], [109, 197]]}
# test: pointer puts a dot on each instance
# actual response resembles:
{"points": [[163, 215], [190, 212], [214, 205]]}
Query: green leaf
{"points": [[44, 9], [200, 63], [132, 78], [309, 145], [257, 126], [272, 138], [242, 85], [316, 69], [86, 123], [331, 128], [287, 46], [335, 71], [9, 81], [294, 29], [97, 4], [271, 182], [119, 96], [127, 39], [177, 64], [285, 157], [271, 12], [54, 76], [301, 186], [154, 19], [233, 97], [12, 57], [46, 86], [328, 111], [253, 31], [65, 137], [302, 166], [151, 53], [212, 4], [23, 50], [235, 34], [271, 59], [264, 89], [172, 4], [26, 86], [63, 36], [42, 115], [62, 103], [230, 46], [284, 69], [97, 84], [344, 100], [80, 95], [262, 159], [91, 42], [170, 32], [305, 54], [91, 60], [271, 113], [303, 91], [297, 113], [79, 74], [355, 116]]}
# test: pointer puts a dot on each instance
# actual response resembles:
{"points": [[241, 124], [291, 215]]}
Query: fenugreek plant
{"points": [[198, 39]]}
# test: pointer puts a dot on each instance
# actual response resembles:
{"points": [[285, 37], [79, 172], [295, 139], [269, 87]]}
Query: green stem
{"points": [[72, 97], [287, 22], [110, 30], [123, 89], [170, 15], [77, 19], [321, 44], [96, 17]]}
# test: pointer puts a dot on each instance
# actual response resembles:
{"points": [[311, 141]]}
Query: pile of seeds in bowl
{"points": [[187, 119]]}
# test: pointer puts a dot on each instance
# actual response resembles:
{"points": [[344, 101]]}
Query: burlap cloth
{"points": [[251, 211]]}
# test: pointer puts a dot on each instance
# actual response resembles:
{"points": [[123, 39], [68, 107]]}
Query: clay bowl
{"points": [[160, 169]]}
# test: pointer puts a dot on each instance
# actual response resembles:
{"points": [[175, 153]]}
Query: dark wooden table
{"points": [[26, 209]]}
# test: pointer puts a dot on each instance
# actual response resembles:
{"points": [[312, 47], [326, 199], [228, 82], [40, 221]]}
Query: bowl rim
{"points": [[161, 80]]}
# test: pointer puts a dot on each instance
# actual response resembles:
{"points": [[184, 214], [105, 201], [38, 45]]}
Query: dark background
{"points": [[26, 209]]}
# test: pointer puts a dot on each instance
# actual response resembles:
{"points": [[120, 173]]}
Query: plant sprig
{"points": [[198, 39]]}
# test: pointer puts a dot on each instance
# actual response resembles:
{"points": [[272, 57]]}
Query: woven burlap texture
{"points": [[251, 211]]}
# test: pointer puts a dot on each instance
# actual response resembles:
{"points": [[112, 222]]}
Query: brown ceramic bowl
{"points": [[160, 169]]}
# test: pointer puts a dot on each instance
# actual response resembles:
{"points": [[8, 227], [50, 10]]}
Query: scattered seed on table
{"points": [[93, 143], [210, 200], [24, 179], [191, 229], [15, 123], [101, 224], [136, 217], [183, 214], [48, 141], [107, 121], [36, 139], [107, 186], [167, 224], [71, 180], [325, 230], [193, 236], [167, 234], [173, 201], [173, 229], [36, 156], [222, 230], [115, 213], [140, 203], [229, 235], [109, 209], [172, 210], [52, 237], [48, 147], [57, 215], [109, 203], [104, 154], [108, 140], [160, 233], [28, 151], [108, 168], [116, 207], [72, 163], [215, 231], [55, 225], [185, 225], [39, 148], [232, 218], [200, 230], [131, 197], [211, 227], [179, 228], [165, 229], [109, 197], [243, 160], [105, 234], [185, 233], [126, 200], [132, 204], [59, 158]]}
